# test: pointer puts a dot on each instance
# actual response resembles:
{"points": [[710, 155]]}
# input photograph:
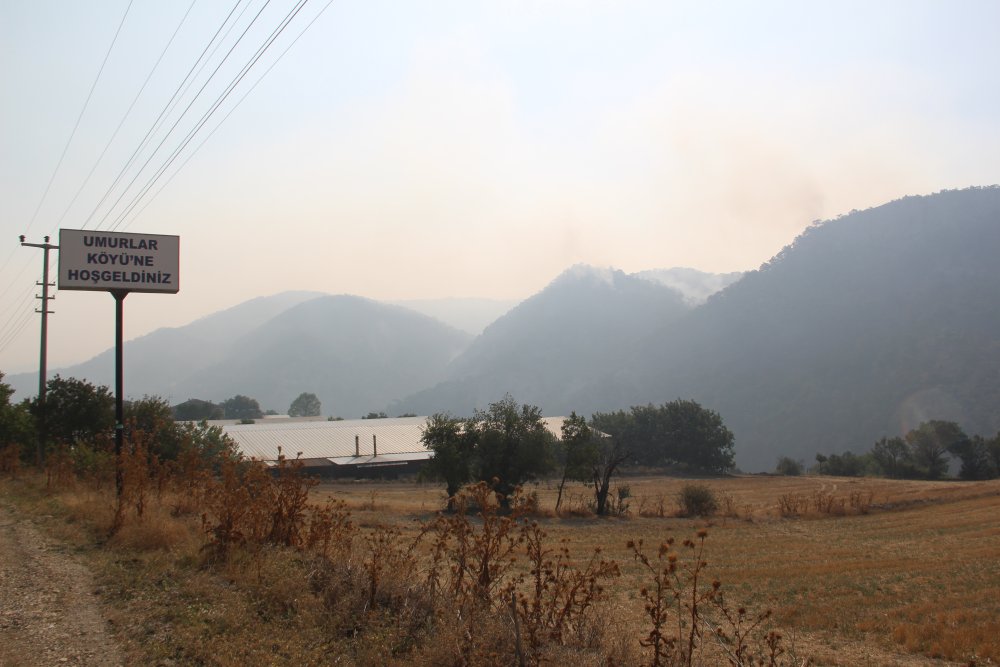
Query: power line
{"points": [[159, 118], [125, 116], [184, 113], [205, 117], [11, 283], [15, 328], [226, 117], [78, 119], [15, 324]]}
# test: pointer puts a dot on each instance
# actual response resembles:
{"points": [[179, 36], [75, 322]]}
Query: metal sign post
{"points": [[119, 296], [118, 263]]}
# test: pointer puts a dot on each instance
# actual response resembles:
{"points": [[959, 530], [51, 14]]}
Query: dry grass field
{"points": [[856, 571], [914, 580]]}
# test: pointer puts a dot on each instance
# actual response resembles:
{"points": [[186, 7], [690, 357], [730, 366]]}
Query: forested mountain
{"points": [[555, 344], [864, 326]]}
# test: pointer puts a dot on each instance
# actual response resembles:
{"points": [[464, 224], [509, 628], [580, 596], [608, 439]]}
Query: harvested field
{"points": [[909, 575], [857, 571]]}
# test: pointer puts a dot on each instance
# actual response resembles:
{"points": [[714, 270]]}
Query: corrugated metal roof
{"points": [[328, 439], [397, 439]]}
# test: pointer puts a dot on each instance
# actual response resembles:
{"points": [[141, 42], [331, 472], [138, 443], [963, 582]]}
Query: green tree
{"points": [[976, 457], [698, 437], [453, 452], [679, 432], [611, 455], [788, 466], [929, 446], [847, 464], [195, 409], [210, 443], [153, 415], [305, 405], [892, 457], [17, 426], [241, 407], [578, 452], [993, 451], [75, 410], [512, 445]]}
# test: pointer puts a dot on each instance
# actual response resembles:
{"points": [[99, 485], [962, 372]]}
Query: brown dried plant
{"points": [[10, 460], [560, 594], [477, 558], [683, 610]]}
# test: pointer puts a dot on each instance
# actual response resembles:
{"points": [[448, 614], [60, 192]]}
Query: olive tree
{"points": [[511, 444], [578, 452], [452, 452]]}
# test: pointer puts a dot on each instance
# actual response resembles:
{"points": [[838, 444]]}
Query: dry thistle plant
{"points": [[59, 468], [683, 610], [560, 594]]}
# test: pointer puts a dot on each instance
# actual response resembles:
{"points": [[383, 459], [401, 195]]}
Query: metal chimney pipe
{"points": [[357, 446], [374, 446]]}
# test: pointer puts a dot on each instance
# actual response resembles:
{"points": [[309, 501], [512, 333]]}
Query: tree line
{"points": [[505, 445], [925, 452], [243, 407], [77, 412], [79, 416], [508, 444]]}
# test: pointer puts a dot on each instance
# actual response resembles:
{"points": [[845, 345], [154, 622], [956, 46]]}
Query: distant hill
{"points": [[355, 354], [575, 331], [158, 362]]}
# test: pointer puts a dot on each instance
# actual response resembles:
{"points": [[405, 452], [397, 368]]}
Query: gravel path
{"points": [[48, 611]]}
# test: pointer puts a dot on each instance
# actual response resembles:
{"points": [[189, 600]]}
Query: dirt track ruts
{"points": [[48, 610]]}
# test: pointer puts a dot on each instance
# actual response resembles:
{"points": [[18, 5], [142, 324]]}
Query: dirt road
{"points": [[48, 611]]}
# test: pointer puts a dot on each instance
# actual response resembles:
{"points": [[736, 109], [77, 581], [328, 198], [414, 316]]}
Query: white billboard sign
{"points": [[104, 261]]}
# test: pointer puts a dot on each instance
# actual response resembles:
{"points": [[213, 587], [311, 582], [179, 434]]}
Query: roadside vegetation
{"points": [[222, 561]]}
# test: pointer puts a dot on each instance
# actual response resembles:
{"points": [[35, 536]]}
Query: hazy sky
{"points": [[429, 149]]}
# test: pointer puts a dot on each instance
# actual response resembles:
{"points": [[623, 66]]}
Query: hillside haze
{"points": [[158, 362], [562, 340], [694, 285], [865, 326], [355, 354]]}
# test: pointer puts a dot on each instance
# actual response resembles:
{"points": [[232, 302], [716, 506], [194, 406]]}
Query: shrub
{"points": [[697, 500], [788, 466]]}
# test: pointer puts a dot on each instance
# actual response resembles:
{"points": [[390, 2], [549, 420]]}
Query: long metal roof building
{"points": [[340, 446]]}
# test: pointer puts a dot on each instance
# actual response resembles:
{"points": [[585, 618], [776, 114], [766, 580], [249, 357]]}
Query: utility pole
{"points": [[42, 356]]}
